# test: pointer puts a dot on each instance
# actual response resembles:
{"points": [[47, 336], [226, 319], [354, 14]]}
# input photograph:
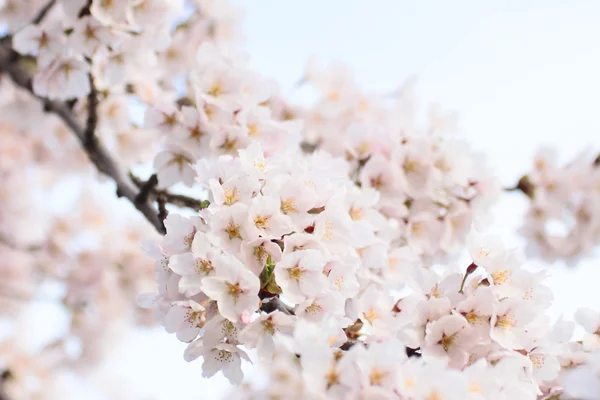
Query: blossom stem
{"points": [[470, 269], [524, 185]]}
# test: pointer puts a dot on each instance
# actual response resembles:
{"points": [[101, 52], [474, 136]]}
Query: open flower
{"points": [[260, 333], [300, 274], [234, 288]]}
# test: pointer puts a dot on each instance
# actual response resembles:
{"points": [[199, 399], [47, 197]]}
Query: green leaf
{"points": [[267, 277], [204, 204]]}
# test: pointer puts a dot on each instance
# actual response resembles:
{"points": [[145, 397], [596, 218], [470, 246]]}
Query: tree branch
{"points": [[4, 376], [43, 12], [146, 188], [92, 119], [178, 200], [276, 304], [95, 150]]}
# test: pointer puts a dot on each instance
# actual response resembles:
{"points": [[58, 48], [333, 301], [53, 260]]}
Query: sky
{"points": [[520, 74]]}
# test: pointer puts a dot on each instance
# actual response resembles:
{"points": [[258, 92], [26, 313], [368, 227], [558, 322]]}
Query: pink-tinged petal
{"points": [[175, 318], [188, 334], [183, 264], [191, 285], [193, 351]]}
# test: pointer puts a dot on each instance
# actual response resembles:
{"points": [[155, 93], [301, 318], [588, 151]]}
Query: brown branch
{"points": [[43, 12], [97, 153], [178, 200], [276, 304], [146, 189], [92, 118], [163, 213], [5, 375], [85, 10]]}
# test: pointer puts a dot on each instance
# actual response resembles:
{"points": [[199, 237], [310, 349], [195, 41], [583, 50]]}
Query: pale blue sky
{"points": [[519, 73]]}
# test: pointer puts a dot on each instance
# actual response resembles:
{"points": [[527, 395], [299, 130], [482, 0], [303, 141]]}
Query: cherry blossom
{"points": [[323, 243]]}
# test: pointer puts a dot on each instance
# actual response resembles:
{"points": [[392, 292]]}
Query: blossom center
{"points": [[501, 277], [447, 341], [269, 326], [260, 253], [234, 290], [204, 266], [233, 230], [231, 195], [314, 308], [357, 213], [297, 273], [224, 356], [377, 376], [196, 319], [371, 315], [506, 322], [262, 221], [288, 206]]}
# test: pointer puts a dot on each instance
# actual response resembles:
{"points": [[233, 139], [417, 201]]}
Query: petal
{"points": [[214, 287], [193, 351], [183, 264], [175, 319], [188, 334], [191, 285]]}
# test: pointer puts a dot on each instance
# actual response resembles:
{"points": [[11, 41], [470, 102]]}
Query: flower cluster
{"points": [[227, 112], [482, 335], [563, 220], [287, 275], [429, 181], [98, 269], [276, 226], [322, 237]]}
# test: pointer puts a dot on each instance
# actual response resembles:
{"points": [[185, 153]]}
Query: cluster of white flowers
{"points": [[308, 253], [563, 220], [429, 181], [277, 266], [229, 111], [279, 225]]}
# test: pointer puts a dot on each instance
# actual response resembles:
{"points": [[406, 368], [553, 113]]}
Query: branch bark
{"points": [[178, 200], [4, 376], [43, 12], [97, 153], [275, 304]]}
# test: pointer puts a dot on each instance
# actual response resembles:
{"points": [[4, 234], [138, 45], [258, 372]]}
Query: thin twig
{"points": [[92, 118], [163, 213], [95, 150], [85, 10], [43, 12], [178, 200]]}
